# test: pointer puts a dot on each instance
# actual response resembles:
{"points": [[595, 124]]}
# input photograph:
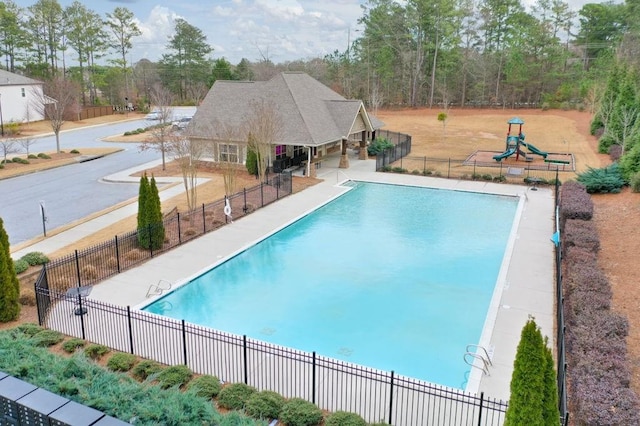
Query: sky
{"points": [[280, 30]]}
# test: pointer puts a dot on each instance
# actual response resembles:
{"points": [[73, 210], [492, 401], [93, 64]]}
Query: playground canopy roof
{"points": [[516, 120]]}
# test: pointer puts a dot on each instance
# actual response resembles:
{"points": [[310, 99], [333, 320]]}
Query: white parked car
{"points": [[181, 123], [153, 115]]}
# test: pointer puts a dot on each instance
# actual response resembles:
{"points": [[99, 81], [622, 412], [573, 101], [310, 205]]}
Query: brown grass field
{"points": [[466, 132]]}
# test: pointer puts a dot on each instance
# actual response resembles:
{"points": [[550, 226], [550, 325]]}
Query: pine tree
{"points": [[528, 380], [143, 212], [9, 284], [155, 216]]}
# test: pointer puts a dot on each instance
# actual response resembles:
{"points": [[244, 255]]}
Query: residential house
{"points": [[315, 120], [18, 98]]}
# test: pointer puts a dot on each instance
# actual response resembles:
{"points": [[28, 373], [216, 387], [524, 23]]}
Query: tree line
{"points": [[413, 53]]}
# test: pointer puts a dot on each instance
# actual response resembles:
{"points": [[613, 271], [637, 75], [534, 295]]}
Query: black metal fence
{"points": [[94, 264], [330, 384], [561, 367]]}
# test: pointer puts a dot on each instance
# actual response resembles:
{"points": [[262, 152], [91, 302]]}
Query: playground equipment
{"points": [[514, 142]]}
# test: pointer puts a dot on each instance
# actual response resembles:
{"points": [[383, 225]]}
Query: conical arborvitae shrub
{"points": [[550, 412], [144, 194], [527, 402], [155, 216], [9, 284]]}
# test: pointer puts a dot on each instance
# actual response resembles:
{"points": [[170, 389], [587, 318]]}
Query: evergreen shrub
{"points": [[298, 412], [604, 180], [72, 344], [95, 351], [47, 338], [35, 258], [235, 396], [121, 361], [378, 146], [343, 418], [265, 405], [145, 368], [634, 182], [175, 375], [20, 265], [205, 386]]}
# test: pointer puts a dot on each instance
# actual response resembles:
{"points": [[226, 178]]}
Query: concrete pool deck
{"points": [[525, 286]]}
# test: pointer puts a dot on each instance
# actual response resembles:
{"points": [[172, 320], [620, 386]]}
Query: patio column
{"points": [[344, 160], [362, 154], [310, 167]]}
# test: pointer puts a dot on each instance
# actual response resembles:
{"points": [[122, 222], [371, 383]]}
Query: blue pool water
{"points": [[391, 277]]}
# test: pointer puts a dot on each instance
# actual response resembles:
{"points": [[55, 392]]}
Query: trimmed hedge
{"points": [[343, 418], [205, 386], [598, 369], [575, 203]]}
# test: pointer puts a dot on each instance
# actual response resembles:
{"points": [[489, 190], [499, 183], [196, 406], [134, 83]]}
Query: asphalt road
{"points": [[70, 192]]}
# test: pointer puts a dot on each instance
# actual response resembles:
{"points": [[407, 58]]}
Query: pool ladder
{"points": [[477, 352], [158, 289]]}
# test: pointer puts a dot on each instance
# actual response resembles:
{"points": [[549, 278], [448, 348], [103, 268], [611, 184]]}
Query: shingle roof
{"points": [[10, 79], [311, 113]]}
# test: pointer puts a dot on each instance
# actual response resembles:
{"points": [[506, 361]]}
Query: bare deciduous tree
{"points": [[8, 146], [229, 162], [26, 143], [263, 127], [58, 101], [162, 99], [187, 153]]}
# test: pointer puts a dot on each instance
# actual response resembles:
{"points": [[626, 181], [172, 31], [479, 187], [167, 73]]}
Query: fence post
{"points": [[424, 167], [313, 378], [184, 343], [204, 222], [78, 268], [81, 308], [179, 233], [261, 194], [130, 329], [278, 188], [35, 290], [481, 406], [449, 169], [391, 400], [244, 355], [474, 170], [150, 239], [244, 194], [117, 254]]}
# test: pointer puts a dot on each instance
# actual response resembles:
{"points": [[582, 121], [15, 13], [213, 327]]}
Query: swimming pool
{"points": [[392, 277]]}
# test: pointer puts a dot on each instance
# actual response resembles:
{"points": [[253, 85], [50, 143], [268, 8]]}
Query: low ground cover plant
{"points": [[81, 380], [126, 385]]}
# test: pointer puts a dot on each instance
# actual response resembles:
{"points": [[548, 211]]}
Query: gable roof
{"points": [[10, 79], [312, 114]]}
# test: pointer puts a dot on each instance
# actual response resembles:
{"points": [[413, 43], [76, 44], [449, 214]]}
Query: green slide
{"points": [[505, 154], [535, 150]]}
